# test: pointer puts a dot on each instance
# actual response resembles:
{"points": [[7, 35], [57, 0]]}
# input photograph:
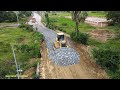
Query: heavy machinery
{"points": [[60, 41]]}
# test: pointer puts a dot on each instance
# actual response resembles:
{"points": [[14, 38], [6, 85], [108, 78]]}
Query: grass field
{"points": [[67, 25], [96, 13], [59, 22], [26, 46]]}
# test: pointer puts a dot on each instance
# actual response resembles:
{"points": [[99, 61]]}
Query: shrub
{"points": [[53, 20], [80, 38], [107, 58], [60, 28], [114, 16], [26, 27], [7, 67], [64, 30], [117, 36], [64, 24], [51, 26]]}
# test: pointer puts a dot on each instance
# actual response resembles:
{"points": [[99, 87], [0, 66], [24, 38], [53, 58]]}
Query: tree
{"points": [[114, 16], [76, 18], [24, 13], [7, 16], [47, 19], [2, 18], [83, 16]]}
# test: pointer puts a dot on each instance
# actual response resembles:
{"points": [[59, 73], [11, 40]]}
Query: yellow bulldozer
{"points": [[61, 41]]}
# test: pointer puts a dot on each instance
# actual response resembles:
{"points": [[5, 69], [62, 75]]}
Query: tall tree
{"points": [[76, 18]]}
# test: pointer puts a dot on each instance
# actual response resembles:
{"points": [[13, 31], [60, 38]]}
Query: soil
{"points": [[102, 35], [86, 69]]}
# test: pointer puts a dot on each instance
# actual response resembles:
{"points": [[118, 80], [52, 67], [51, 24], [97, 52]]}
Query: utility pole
{"points": [[17, 68]]}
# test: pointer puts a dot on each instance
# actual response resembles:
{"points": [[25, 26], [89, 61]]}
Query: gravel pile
{"points": [[63, 56]]}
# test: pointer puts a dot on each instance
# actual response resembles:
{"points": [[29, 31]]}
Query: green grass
{"points": [[61, 14], [96, 14], [70, 25], [17, 37], [59, 22]]}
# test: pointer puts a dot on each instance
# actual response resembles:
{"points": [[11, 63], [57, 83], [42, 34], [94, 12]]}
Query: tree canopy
{"points": [[10, 16], [114, 16]]}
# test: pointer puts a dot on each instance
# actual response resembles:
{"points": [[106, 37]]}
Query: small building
{"points": [[95, 21]]}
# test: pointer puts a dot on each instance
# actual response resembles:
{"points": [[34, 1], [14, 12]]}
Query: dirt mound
{"points": [[102, 35]]}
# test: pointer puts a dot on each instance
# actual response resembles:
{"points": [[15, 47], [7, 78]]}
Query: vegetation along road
{"points": [[92, 50]]}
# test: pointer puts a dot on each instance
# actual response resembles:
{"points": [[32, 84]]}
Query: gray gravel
{"points": [[63, 56]]}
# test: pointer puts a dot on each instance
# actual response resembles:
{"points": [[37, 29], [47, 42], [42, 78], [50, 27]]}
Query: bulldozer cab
{"points": [[60, 36], [63, 44], [60, 41]]}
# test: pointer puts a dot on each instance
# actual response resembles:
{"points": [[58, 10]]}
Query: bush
{"points": [[53, 20], [7, 67], [117, 36], [33, 50], [64, 30], [26, 27], [51, 26], [114, 16], [107, 58], [8, 16], [64, 24], [114, 75], [80, 38]]}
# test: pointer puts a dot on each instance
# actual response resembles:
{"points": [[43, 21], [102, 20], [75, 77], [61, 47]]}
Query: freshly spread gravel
{"points": [[62, 56]]}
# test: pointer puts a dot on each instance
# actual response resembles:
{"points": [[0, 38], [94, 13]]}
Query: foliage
{"points": [[96, 13], [26, 27], [7, 67], [76, 18], [108, 58], [7, 16], [83, 16], [47, 19], [24, 13], [10, 16], [81, 38], [114, 16], [26, 46]]}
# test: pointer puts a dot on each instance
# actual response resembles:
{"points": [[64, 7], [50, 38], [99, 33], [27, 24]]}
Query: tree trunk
{"points": [[76, 29]]}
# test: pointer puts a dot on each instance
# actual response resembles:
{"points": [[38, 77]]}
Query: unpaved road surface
{"points": [[85, 69]]}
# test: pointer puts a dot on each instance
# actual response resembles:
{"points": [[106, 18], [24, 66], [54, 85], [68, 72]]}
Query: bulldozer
{"points": [[61, 41]]}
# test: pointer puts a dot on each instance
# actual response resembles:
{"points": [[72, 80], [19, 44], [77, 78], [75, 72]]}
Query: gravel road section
{"points": [[62, 56]]}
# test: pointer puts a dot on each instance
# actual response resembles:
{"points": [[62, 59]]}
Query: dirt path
{"points": [[86, 69]]}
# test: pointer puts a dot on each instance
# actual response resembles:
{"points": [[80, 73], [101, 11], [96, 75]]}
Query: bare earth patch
{"points": [[86, 69], [102, 35], [29, 73]]}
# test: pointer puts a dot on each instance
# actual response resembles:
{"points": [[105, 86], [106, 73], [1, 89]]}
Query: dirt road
{"points": [[86, 69]]}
